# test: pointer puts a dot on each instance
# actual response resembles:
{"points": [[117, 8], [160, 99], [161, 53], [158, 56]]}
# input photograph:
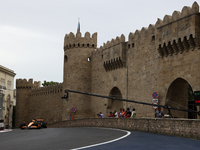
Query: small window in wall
{"points": [[83, 45], [65, 58], [88, 45], [132, 45], [78, 45], [89, 58], [9, 84], [153, 38], [2, 82], [92, 45], [102, 56], [128, 46]]}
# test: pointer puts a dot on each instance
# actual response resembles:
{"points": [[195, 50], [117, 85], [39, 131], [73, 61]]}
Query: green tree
{"points": [[48, 83]]}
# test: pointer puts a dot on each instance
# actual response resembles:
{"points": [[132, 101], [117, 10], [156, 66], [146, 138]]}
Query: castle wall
{"points": [[142, 69], [109, 71], [46, 103], [151, 60], [34, 101], [178, 46], [23, 97]]}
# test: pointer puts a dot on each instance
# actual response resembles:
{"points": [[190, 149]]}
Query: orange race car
{"points": [[34, 124]]}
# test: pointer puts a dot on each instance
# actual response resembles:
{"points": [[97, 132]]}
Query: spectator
{"points": [[128, 113], [159, 113], [22, 124], [120, 113], [71, 117], [115, 114], [123, 113], [101, 115], [133, 114], [110, 115]]}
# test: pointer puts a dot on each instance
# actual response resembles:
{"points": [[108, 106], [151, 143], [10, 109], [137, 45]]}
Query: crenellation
{"points": [[47, 89], [176, 15], [179, 30], [151, 29], [23, 83], [141, 36], [167, 19], [195, 7], [186, 11], [144, 32], [87, 35], [113, 42], [71, 41], [137, 35], [131, 37], [159, 23], [114, 53]]}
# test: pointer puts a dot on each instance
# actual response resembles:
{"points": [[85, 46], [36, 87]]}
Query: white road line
{"points": [[128, 133]]}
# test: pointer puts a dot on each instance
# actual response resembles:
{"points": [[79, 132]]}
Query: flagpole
{"points": [[78, 28]]}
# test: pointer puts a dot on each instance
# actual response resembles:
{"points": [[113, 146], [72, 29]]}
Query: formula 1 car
{"points": [[34, 124]]}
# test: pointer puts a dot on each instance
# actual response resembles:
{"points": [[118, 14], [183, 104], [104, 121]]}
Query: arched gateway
{"points": [[180, 95], [115, 104]]}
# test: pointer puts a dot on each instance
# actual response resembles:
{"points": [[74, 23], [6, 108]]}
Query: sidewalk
{"points": [[5, 130]]}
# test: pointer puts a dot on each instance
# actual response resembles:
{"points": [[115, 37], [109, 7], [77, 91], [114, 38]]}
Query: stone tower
{"points": [[24, 88], [77, 73]]}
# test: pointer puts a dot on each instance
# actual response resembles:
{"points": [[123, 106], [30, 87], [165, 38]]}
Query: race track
{"points": [[90, 138]]}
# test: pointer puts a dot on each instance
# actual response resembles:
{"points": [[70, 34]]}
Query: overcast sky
{"points": [[32, 31]]}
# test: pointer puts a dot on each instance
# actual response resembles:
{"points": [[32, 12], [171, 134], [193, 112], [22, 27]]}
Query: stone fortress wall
{"points": [[164, 57], [34, 101]]}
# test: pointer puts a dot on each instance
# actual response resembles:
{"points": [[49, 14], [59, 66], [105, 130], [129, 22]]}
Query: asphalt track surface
{"points": [[94, 138]]}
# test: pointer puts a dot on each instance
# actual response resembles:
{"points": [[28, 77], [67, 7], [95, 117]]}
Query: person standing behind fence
{"points": [[128, 113], [110, 115], [123, 113], [159, 113], [133, 114], [101, 115]]}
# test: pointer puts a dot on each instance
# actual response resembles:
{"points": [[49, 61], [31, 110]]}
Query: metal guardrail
{"points": [[131, 101]]}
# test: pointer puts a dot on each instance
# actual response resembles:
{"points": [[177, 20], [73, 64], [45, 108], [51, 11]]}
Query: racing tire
{"points": [[44, 125]]}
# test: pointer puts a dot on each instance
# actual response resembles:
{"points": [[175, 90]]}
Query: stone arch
{"points": [[115, 104], [179, 95]]}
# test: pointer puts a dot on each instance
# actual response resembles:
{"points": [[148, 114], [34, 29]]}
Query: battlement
{"points": [[110, 44], [55, 88], [72, 41], [24, 84], [178, 33], [145, 34], [113, 53], [113, 42], [177, 15]]}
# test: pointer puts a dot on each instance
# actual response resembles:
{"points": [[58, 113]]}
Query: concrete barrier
{"points": [[187, 128]]}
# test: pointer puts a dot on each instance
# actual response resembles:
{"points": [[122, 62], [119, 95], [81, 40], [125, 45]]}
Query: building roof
{"points": [[6, 70]]}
